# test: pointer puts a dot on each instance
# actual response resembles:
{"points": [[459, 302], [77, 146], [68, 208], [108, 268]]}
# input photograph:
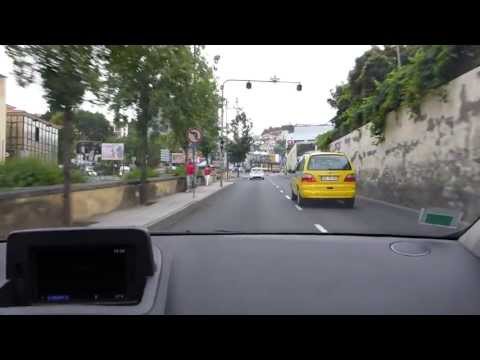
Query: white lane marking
{"points": [[298, 208], [281, 191], [288, 197], [320, 228]]}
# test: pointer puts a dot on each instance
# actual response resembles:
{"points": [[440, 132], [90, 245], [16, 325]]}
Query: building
{"points": [[28, 135], [120, 130], [306, 133], [3, 119]]}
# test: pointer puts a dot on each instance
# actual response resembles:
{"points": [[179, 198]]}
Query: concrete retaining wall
{"points": [[42, 206], [426, 161]]}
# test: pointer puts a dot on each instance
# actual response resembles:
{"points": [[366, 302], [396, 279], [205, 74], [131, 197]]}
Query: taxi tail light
{"points": [[350, 178], [308, 178]]}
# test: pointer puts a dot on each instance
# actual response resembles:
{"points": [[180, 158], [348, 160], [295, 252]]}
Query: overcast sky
{"points": [[319, 68]]}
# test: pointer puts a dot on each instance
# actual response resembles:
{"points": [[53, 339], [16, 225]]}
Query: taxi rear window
{"points": [[328, 162]]}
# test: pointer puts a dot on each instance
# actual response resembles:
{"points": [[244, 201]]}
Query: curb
{"points": [[401, 207], [184, 209]]}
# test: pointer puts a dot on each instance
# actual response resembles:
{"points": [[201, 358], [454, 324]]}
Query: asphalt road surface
{"points": [[265, 206]]}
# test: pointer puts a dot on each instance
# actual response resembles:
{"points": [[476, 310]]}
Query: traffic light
{"points": [[249, 85], [299, 87]]}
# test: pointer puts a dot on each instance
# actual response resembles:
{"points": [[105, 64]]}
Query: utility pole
{"points": [[399, 61]]}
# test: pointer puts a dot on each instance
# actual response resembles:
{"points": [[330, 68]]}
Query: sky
{"points": [[319, 68]]}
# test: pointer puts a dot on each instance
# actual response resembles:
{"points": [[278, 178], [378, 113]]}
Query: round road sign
{"points": [[194, 135]]}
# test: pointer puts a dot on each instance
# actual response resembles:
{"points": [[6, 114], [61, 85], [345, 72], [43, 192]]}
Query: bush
{"points": [[135, 174], [33, 172], [180, 171]]}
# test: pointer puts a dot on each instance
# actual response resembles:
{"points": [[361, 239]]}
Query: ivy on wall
{"points": [[424, 69]]}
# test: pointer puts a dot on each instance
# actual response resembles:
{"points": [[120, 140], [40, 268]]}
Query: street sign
{"points": [[194, 135], [113, 151], [165, 155]]}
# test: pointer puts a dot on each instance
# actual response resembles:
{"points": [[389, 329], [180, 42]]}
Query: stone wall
{"points": [[431, 160], [42, 206]]}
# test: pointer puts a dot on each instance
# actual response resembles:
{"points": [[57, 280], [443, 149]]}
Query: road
{"points": [[265, 206]]}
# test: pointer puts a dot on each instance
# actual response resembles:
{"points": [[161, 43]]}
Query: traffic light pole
{"points": [[223, 154]]}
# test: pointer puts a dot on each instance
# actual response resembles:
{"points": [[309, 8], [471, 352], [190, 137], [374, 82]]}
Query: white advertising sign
{"points": [[113, 151], [178, 158]]}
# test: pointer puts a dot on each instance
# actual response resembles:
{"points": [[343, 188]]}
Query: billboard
{"points": [[113, 151], [178, 158]]}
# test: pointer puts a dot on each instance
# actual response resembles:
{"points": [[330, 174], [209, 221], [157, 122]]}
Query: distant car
{"points": [[257, 173], [124, 170]]}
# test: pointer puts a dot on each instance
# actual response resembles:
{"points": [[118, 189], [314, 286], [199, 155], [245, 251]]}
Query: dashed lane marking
{"points": [[281, 191], [320, 228], [298, 208], [288, 197]]}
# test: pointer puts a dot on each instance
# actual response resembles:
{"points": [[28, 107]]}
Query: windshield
{"points": [[355, 139]]}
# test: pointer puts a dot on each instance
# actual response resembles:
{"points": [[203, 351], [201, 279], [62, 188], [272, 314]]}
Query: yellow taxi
{"points": [[324, 175]]}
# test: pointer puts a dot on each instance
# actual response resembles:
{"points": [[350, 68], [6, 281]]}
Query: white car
{"points": [[124, 170], [256, 173]]}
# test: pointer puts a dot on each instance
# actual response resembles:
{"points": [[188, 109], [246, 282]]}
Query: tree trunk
{"points": [[143, 161], [67, 144]]}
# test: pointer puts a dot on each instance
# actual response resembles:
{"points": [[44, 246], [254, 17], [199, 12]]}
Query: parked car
{"points": [[124, 170]]}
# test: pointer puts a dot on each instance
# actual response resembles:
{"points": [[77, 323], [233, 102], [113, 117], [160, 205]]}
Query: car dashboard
{"points": [[284, 274]]}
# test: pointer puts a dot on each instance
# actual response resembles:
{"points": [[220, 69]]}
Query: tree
{"points": [[66, 73], [192, 100], [139, 78], [279, 147], [242, 138], [92, 126]]}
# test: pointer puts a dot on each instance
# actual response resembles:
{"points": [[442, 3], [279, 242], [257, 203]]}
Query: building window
{"points": [[37, 134]]}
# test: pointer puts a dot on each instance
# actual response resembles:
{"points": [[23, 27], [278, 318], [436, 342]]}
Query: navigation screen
{"points": [[80, 274]]}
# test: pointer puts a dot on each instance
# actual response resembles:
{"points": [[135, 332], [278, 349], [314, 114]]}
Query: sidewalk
{"points": [[164, 207]]}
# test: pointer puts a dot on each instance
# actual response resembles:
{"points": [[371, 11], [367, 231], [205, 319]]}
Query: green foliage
{"points": [[279, 147], [66, 71], [180, 171], [376, 86], [33, 172], [324, 140], [136, 173], [237, 149], [92, 126], [192, 99]]}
